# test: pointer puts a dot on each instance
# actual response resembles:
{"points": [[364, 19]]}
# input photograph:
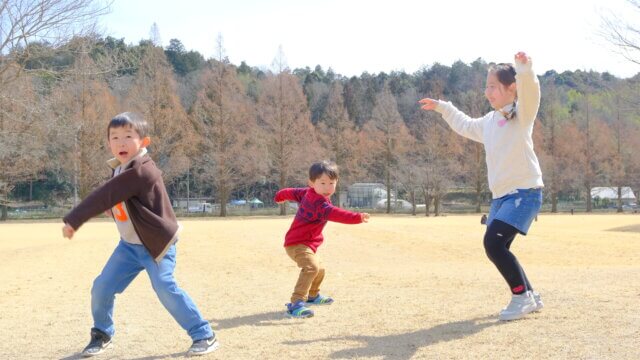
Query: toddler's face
{"points": [[125, 143], [324, 185]]}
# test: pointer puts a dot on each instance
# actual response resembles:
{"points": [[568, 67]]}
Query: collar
{"points": [[114, 163], [509, 111]]}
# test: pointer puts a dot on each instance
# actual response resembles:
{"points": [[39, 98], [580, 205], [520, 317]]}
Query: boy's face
{"points": [[324, 185], [125, 143]]}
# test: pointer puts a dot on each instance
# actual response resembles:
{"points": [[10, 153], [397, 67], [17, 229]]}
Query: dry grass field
{"points": [[405, 288]]}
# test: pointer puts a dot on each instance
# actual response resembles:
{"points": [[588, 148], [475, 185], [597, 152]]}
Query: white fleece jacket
{"points": [[511, 162]]}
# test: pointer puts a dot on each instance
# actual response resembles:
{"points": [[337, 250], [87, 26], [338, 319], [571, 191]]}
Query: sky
{"points": [[356, 36]]}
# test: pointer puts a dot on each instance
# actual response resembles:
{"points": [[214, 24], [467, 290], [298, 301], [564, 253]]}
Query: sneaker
{"points": [[538, 300], [298, 310], [99, 342], [519, 306], [203, 346], [320, 300]]}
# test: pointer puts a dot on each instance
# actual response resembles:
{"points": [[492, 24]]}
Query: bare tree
{"points": [[284, 116], [623, 34], [83, 104], [224, 122], [337, 134], [390, 136], [53, 22], [154, 94], [22, 130]]}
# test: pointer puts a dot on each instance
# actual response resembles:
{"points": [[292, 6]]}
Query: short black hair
{"points": [[133, 120], [323, 167]]}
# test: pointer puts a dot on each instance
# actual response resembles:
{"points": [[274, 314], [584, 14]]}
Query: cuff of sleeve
{"points": [[524, 68]]}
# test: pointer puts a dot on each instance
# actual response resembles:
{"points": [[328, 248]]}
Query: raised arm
{"points": [[528, 88], [457, 120]]}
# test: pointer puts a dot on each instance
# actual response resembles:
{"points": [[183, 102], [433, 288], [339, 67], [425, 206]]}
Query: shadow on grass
{"points": [[404, 346], [630, 228], [272, 318], [106, 354], [265, 319]]}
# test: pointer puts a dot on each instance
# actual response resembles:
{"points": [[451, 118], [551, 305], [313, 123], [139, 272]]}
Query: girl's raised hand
{"points": [[428, 104], [521, 57]]}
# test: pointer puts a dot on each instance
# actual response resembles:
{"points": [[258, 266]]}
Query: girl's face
{"points": [[499, 95]]}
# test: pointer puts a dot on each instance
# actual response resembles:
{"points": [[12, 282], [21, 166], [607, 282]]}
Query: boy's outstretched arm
{"points": [[343, 216], [289, 194]]}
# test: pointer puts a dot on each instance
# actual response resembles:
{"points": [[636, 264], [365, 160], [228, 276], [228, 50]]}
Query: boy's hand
{"points": [[364, 217], [109, 213], [521, 57], [67, 231], [428, 104]]}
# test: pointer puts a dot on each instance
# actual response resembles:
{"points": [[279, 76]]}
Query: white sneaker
{"points": [[538, 299], [519, 306]]}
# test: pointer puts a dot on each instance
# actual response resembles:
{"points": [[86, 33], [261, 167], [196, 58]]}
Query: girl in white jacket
{"points": [[515, 179]]}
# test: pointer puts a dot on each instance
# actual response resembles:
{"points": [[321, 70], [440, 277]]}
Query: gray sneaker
{"points": [[203, 346], [538, 299], [519, 306], [99, 342]]}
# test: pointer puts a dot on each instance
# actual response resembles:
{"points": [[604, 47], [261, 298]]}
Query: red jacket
{"points": [[314, 210]]}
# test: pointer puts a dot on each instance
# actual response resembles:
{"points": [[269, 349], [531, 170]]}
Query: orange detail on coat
{"points": [[119, 213]]}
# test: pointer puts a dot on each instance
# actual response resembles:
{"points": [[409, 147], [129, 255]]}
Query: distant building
{"points": [[366, 195], [611, 193], [184, 203]]}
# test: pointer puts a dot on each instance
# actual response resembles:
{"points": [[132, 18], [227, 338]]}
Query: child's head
{"points": [[323, 177], [127, 134], [501, 85]]}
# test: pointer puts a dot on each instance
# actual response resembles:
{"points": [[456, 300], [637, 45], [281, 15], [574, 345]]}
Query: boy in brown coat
{"points": [[137, 200]]}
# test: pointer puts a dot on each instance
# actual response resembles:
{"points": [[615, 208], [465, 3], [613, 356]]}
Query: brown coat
{"points": [[141, 187]]}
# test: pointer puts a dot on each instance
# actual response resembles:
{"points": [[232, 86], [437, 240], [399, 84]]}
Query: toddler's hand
{"points": [[67, 231], [109, 213], [364, 217], [428, 104], [280, 202], [521, 57]]}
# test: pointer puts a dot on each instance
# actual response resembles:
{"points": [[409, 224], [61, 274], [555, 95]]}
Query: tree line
{"points": [[224, 130]]}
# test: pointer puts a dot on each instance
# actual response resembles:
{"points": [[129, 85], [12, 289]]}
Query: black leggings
{"points": [[497, 241]]}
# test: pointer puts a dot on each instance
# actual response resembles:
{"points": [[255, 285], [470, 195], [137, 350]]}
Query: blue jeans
{"points": [[518, 209], [122, 267]]}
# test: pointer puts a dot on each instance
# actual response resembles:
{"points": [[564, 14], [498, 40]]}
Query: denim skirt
{"points": [[517, 209]]}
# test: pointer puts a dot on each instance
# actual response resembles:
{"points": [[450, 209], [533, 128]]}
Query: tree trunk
{"points": [[5, 214], [224, 198], [554, 201], [412, 196], [283, 206], [619, 199], [589, 205], [436, 205]]}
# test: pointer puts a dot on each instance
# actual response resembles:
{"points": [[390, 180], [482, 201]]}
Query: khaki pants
{"points": [[311, 272]]}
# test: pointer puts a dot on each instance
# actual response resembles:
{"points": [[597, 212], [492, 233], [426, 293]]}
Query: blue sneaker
{"points": [[320, 300], [298, 310]]}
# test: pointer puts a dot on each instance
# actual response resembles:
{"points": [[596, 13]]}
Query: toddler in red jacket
{"points": [[305, 234]]}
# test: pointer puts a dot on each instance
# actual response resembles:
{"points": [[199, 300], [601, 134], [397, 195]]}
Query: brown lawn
{"points": [[405, 288]]}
